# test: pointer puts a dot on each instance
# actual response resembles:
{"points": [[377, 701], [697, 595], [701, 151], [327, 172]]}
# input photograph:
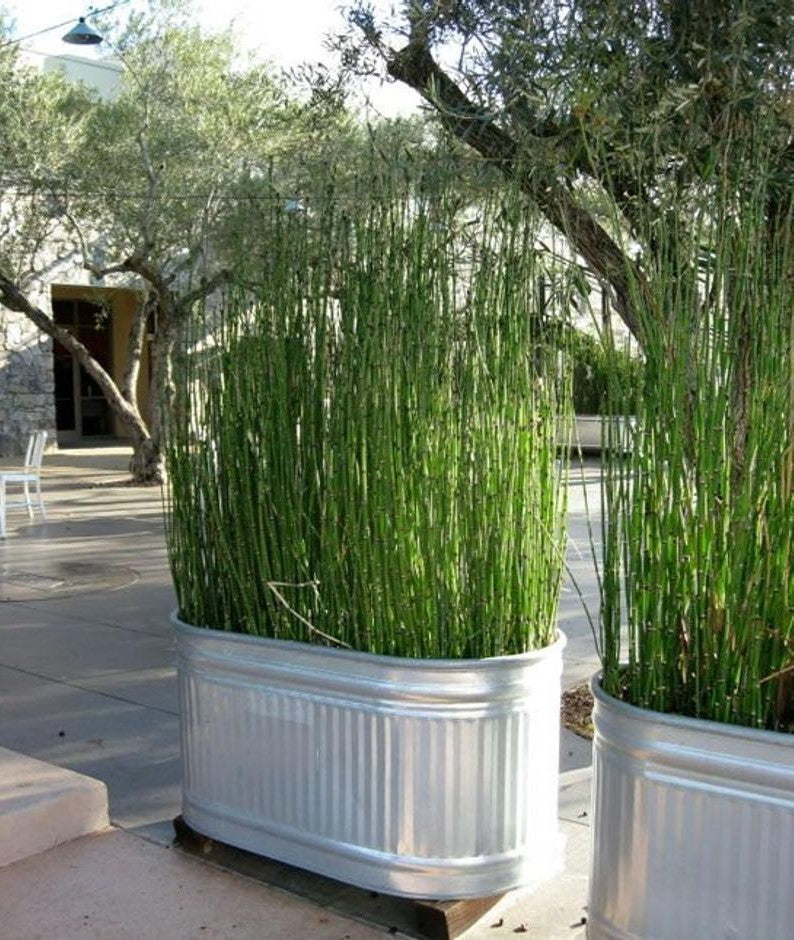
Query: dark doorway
{"points": [[80, 407]]}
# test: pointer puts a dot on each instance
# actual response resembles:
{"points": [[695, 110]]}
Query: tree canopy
{"points": [[621, 105], [158, 182]]}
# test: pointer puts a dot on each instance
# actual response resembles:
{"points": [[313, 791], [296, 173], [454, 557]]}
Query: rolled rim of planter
{"points": [[403, 661], [486, 684], [588, 432], [693, 826], [605, 704], [421, 778]]}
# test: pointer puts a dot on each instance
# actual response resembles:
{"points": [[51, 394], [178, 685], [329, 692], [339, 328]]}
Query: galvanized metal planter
{"points": [[693, 828], [422, 778], [589, 432]]}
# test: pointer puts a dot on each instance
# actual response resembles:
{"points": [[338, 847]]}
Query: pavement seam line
{"points": [[81, 688], [29, 605]]}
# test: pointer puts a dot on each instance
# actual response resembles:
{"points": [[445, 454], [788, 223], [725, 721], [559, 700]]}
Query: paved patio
{"points": [[87, 682]]}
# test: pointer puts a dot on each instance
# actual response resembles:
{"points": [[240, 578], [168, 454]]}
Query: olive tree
{"points": [[156, 183], [600, 110], [616, 118]]}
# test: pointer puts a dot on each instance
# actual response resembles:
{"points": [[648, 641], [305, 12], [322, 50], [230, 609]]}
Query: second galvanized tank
{"points": [[693, 828]]}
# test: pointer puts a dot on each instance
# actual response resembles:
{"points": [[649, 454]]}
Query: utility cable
{"points": [[49, 29]]}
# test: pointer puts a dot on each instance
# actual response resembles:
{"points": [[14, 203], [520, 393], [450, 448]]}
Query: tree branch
{"points": [[12, 297], [137, 264], [205, 288], [414, 66]]}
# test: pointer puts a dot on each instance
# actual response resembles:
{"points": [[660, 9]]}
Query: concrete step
{"points": [[42, 806]]}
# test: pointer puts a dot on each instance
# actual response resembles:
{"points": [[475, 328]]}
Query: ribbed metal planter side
{"points": [[422, 778], [693, 828]]}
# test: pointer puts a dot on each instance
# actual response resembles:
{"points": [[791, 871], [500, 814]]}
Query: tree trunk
{"points": [[147, 464], [127, 411], [135, 341], [162, 390]]}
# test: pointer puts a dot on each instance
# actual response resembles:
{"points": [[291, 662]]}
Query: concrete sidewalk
{"points": [[87, 682]]}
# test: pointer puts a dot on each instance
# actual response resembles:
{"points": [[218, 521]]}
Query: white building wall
{"points": [[102, 75]]}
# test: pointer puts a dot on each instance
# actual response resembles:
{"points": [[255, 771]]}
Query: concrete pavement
{"points": [[87, 682]]}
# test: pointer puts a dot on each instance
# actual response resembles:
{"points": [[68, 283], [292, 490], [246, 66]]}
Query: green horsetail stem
{"points": [[698, 594], [364, 453]]}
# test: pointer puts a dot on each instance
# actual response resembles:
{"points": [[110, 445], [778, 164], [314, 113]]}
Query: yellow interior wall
{"points": [[124, 302]]}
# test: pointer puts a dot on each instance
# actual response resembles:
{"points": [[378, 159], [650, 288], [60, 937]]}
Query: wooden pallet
{"points": [[427, 920]]}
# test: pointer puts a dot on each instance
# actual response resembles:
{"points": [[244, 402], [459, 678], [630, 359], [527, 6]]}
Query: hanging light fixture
{"points": [[81, 34]]}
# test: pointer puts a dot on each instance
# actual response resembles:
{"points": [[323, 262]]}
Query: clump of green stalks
{"points": [[597, 371], [698, 594], [365, 454]]}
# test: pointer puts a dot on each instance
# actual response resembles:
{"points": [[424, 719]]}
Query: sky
{"points": [[286, 32]]}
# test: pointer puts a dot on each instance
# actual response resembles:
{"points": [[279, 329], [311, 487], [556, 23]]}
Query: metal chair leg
{"points": [[41, 498]]}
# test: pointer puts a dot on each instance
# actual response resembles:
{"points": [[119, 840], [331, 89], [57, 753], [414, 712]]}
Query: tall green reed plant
{"points": [[365, 454], [698, 594]]}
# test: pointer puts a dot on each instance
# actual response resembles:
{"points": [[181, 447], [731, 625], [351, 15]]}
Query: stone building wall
{"points": [[27, 401]]}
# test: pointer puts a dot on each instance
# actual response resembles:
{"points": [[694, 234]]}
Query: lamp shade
{"points": [[82, 35]]}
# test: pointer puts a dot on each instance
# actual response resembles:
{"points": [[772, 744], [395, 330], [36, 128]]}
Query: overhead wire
{"points": [[49, 29], [187, 197], [44, 189]]}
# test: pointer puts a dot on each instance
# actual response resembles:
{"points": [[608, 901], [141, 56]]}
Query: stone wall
{"points": [[27, 401], [27, 385]]}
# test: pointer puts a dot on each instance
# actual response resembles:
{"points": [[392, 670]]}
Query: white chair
{"points": [[29, 473]]}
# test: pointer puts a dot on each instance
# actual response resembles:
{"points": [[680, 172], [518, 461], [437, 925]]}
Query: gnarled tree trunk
{"points": [[148, 462], [144, 467]]}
